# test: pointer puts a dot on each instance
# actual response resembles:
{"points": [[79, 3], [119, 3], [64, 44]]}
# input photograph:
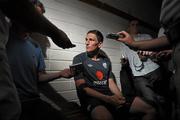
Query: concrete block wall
{"points": [[76, 18]]}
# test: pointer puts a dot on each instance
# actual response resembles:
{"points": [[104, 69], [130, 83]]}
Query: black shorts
{"points": [[92, 103], [146, 87]]}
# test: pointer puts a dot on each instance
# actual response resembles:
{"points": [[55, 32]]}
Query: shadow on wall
{"points": [[43, 42], [70, 109]]}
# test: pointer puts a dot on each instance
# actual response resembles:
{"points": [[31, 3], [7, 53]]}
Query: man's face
{"points": [[133, 26], [91, 42]]}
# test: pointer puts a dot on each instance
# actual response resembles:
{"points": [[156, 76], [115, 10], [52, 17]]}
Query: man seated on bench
{"points": [[96, 89]]}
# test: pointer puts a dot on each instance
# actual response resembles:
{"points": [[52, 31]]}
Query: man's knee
{"points": [[101, 113]]}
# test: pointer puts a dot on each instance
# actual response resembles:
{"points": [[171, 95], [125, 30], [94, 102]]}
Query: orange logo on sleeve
{"points": [[99, 75]]}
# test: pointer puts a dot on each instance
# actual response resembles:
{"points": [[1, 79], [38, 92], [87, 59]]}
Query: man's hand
{"points": [[158, 55], [116, 100], [164, 54], [66, 73], [61, 39], [146, 53], [127, 39]]}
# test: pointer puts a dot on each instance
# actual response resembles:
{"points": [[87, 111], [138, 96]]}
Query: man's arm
{"points": [[80, 84], [23, 12], [153, 44], [117, 97], [46, 77], [114, 88]]}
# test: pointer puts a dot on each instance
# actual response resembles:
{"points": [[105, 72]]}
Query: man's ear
{"points": [[100, 44]]}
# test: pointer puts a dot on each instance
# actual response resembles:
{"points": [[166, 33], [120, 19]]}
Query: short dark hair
{"points": [[33, 1], [98, 34]]}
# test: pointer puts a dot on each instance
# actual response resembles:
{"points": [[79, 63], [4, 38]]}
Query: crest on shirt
{"points": [[99, 75], [105, 65]]}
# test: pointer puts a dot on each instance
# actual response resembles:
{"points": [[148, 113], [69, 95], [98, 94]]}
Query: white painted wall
{"points": [[76, 18]]}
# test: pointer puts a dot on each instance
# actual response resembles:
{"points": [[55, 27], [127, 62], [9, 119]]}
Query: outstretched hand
{"points": [[157, 55], [61, 39], [66, 73], [127, 39], [164, 54]]}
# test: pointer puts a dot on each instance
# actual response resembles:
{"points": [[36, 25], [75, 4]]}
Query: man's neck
{"points": [[95, 58]]}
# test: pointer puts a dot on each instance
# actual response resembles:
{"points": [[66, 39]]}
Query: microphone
{"points": [[114, 36]]}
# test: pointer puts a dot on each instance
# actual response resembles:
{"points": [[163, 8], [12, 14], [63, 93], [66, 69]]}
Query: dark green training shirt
{"points": [[95, 73]]}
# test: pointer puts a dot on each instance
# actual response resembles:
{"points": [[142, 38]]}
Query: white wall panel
{"points": [[61, 86], [58, 65]]}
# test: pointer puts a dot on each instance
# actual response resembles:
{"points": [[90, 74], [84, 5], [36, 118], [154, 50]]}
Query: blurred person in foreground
{"points": [[28, 71], [24, 13]]}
